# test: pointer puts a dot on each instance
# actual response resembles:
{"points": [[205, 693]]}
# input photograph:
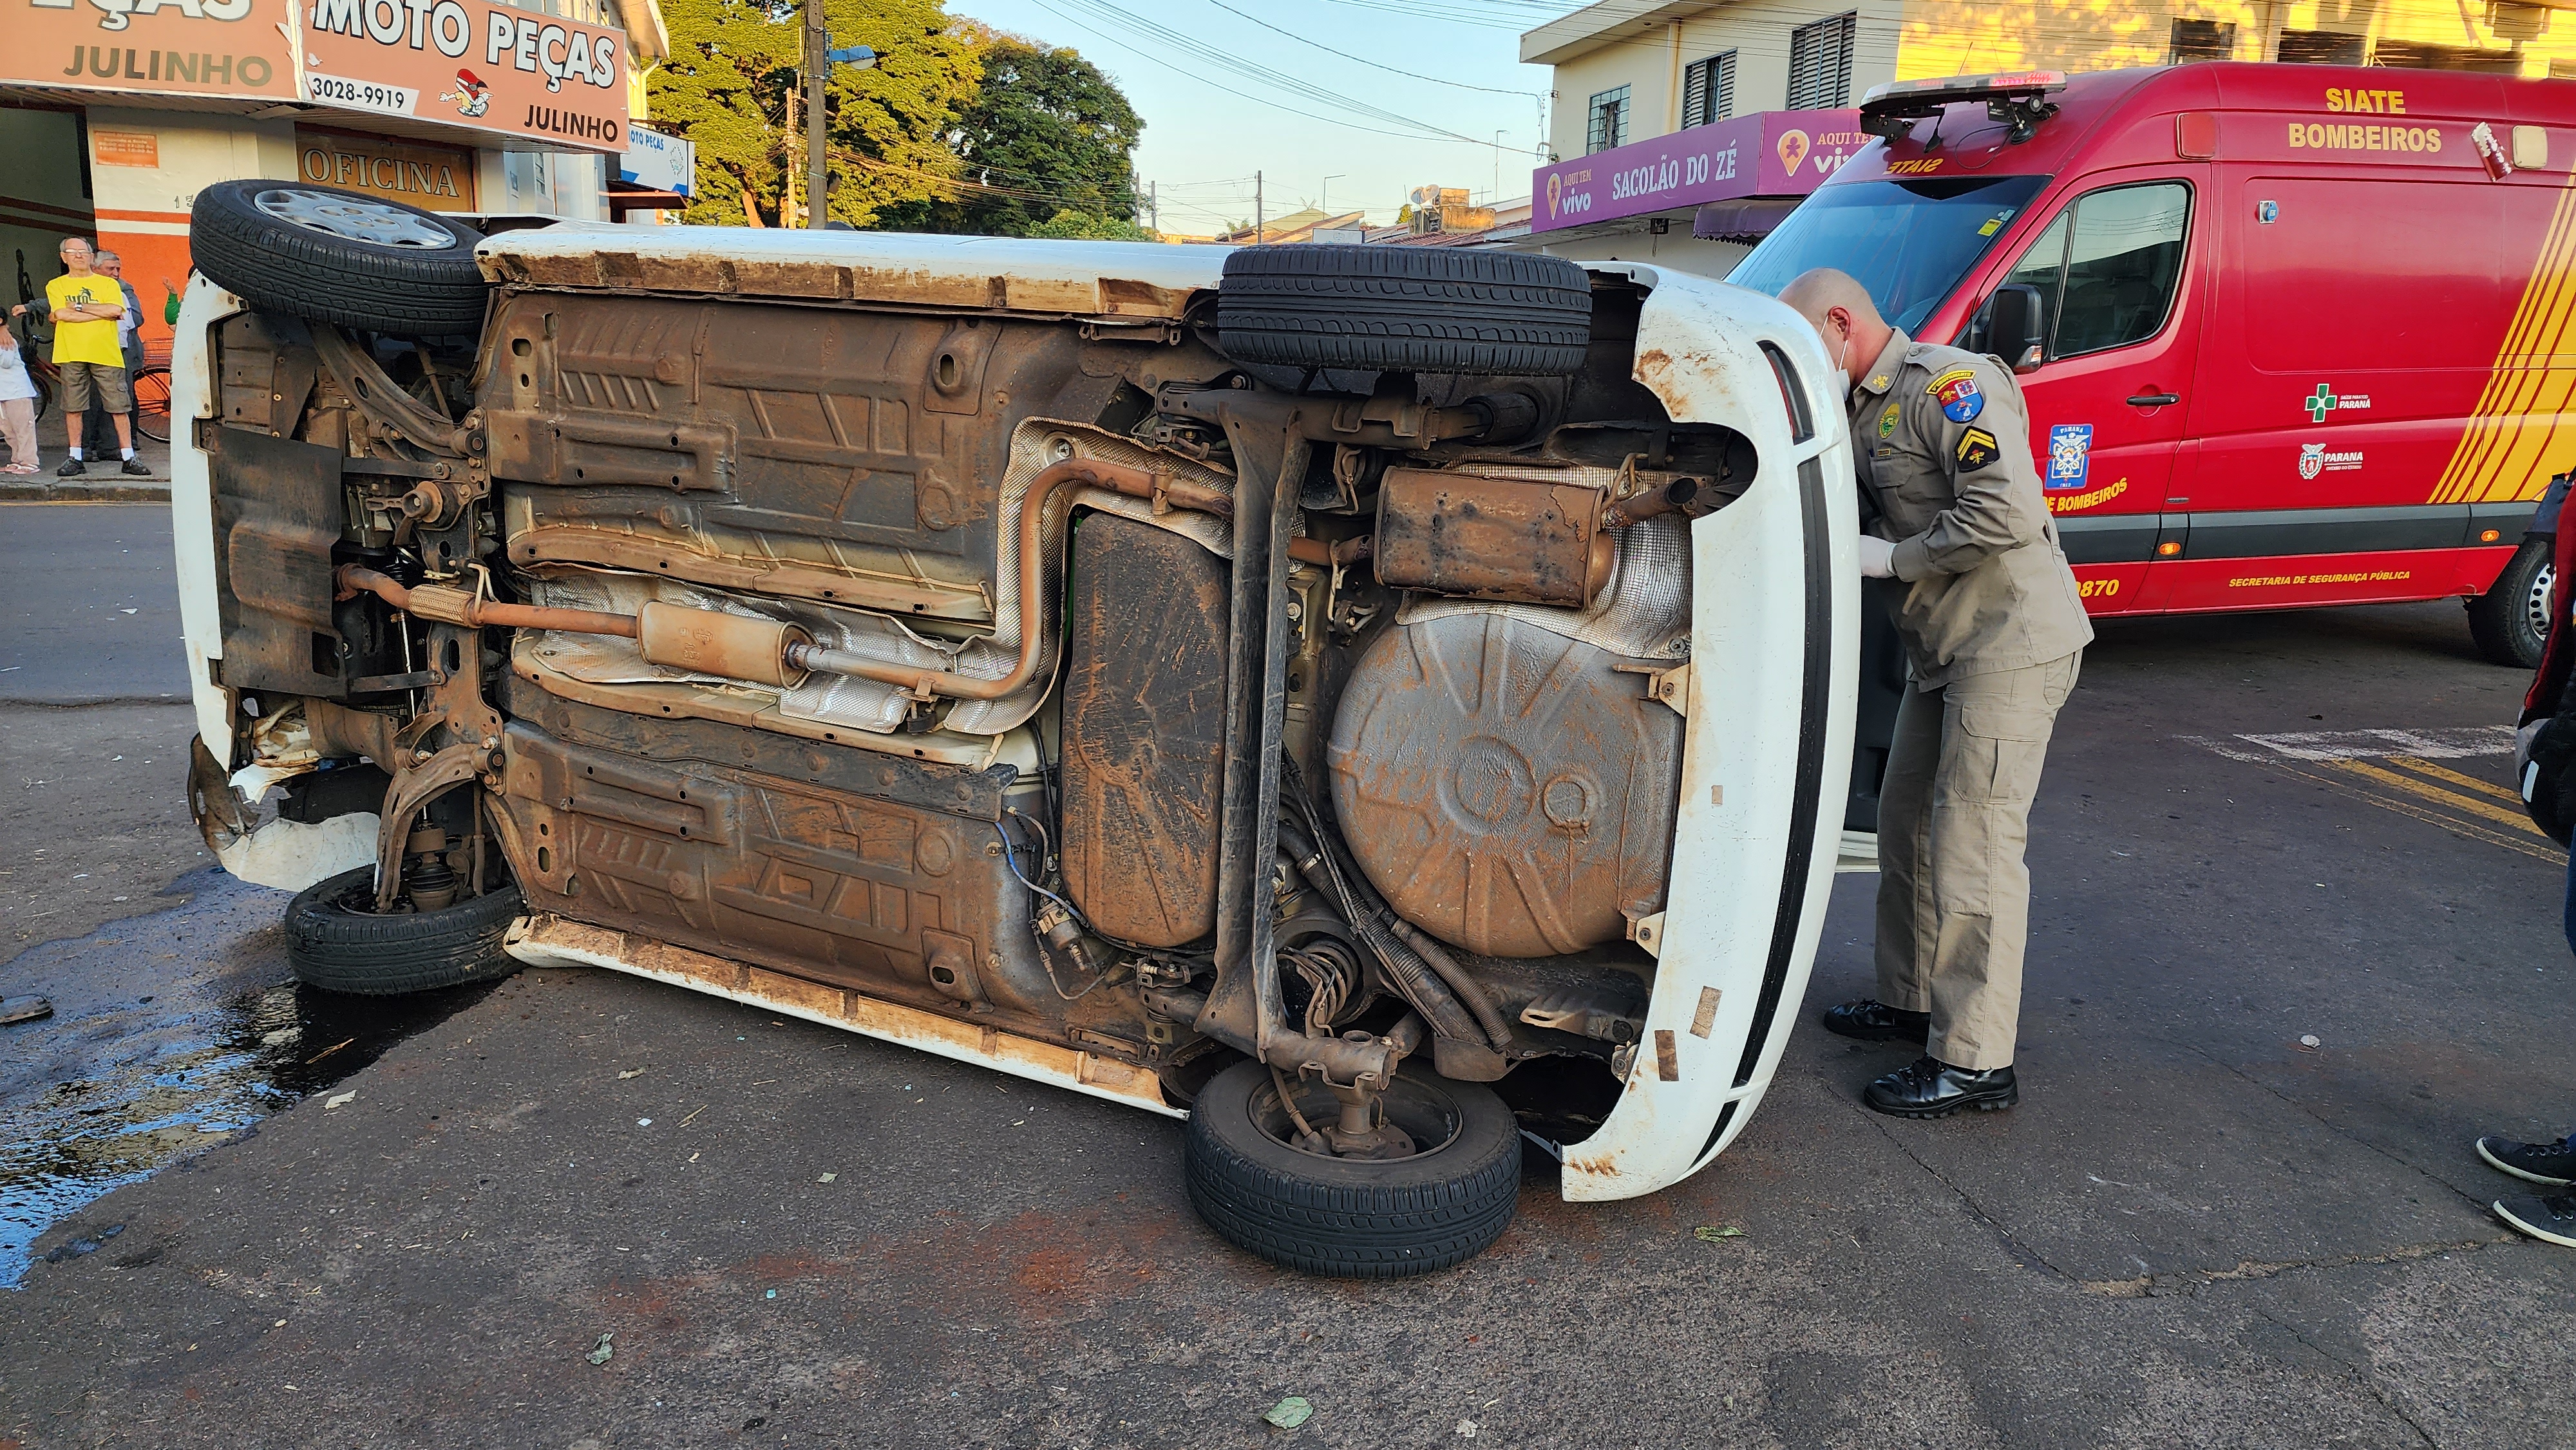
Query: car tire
{"points": [[1347, 1217], [334, 256], [1405, 309], [2510, 622], [337, 942]]}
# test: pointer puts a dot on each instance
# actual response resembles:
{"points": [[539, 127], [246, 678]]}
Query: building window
{"points": [[1820, 62], [2320, 47], [2421, 55], [1708, 90], [1609, 126], [2201, 40]]}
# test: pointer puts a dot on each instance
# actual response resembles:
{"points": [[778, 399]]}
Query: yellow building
{"points": [[1627, 71]]}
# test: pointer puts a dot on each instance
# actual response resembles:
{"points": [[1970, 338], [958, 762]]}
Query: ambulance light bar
{"points": [[2017, 98]]}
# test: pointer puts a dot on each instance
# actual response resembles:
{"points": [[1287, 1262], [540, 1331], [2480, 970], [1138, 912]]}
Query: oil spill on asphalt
{"points": [[171, 1033]]}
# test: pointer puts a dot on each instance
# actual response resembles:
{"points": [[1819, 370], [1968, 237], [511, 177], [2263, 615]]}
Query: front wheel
{"points": [[336, 941], [2510, 622], [1356, 1218], [152, 403]]}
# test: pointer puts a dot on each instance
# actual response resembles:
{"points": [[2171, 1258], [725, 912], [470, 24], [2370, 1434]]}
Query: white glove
{"points": [[1877, 558]]}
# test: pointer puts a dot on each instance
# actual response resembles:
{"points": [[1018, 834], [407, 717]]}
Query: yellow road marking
{"points": [[2542, 849], [2482, 787], [2437, 795]]}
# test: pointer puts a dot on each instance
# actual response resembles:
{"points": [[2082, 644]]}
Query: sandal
{"points": [[18, 468]]}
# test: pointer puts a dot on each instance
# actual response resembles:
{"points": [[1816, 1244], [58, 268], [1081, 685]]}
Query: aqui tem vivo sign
{"points": [[1770, 153], [470, 63], [150, 47]]}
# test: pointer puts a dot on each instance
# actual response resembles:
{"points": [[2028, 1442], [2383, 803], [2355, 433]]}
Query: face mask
{"points": [[1841, 368]]}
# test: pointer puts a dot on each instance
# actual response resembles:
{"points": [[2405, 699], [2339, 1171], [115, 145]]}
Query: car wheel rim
{"points": [[1424, 1110], [2535, 605], [353, 218]]}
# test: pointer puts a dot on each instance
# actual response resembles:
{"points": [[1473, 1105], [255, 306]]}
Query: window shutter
{"points": [[1820, 61]]}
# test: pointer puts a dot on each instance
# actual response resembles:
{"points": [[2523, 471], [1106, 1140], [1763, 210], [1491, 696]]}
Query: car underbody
{"points": [[1014, 663]]}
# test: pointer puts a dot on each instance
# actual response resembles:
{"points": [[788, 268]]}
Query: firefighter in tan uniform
{"points": [[1994, 629]]}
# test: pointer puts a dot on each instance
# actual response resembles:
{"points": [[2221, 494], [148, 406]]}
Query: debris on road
{"points": [[828, 1177], [1290, 1413], [1710, 1233], [2309, 1043], [326, 1052], [623, 1076], [24, 1009], [336, 1099], [600, 1352]]}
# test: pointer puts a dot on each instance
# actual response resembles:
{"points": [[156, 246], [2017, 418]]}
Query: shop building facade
{"points": [[114, 113]]}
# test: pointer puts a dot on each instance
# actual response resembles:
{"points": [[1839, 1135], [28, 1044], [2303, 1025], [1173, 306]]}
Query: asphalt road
{"points": [[2193, 1231]]}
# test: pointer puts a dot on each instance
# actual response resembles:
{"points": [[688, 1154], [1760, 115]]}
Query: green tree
{"points": [[730, 87], [1071, 225], [1046, 137]]}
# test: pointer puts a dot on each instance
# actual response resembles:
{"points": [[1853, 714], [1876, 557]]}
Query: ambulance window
{"points": [[2043, 266], [2123, 260]]}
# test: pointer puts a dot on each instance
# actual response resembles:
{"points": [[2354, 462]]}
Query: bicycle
{"points": [[152, 402]]}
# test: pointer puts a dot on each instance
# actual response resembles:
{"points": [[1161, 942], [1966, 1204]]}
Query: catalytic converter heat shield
{"points": [[1511, 540]]}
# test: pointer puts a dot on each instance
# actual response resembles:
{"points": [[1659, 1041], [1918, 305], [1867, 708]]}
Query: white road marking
{"points": [[2449, 743]]}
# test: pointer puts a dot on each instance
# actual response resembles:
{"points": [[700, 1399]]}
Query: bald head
{"points": [[1840, 309]]}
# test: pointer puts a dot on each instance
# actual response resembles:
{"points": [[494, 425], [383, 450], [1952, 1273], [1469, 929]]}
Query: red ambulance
{"points": [[2291, 335]]}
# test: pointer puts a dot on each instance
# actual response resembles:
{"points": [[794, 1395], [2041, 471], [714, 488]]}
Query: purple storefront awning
{"points": [[1767, 154], [1749, 220]]}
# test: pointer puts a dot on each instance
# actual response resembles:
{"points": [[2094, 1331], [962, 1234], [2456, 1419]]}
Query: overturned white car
{"points": [[1382, 703]]}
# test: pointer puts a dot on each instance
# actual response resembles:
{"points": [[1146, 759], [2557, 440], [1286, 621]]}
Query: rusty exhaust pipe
{"points": [[443, 605], [740, 648]]}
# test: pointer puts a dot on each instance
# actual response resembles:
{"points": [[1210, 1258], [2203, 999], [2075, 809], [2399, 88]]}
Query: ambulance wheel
{"points": [[1405, 309], [337, 942], [342, 257], [2510, 622], [1353, 1218]]}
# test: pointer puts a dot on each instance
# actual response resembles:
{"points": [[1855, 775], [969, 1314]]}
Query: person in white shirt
{"points": [[17, 405]]}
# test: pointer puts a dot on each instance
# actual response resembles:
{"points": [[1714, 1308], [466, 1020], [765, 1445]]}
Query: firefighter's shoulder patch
{"points": [[1977, 448]]}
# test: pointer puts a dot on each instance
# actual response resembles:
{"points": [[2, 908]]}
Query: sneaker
{"points": [[137, 468], [2551, 1219], [72, 468], [2552, 1165]]}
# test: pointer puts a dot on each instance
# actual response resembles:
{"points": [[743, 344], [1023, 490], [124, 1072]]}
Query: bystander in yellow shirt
{"points": [[85, 342]]}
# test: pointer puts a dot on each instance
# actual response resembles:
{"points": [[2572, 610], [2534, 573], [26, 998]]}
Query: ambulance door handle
{"points": [[2154, 400]]}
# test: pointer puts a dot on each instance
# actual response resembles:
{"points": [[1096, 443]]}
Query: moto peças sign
{"points": [[471, 63]]}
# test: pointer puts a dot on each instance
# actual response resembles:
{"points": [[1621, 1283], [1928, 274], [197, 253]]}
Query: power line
{"points": [[1261, 75], [1346, 55]]}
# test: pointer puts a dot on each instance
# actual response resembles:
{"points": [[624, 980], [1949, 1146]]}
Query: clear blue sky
{"points": [[1208, 129]]}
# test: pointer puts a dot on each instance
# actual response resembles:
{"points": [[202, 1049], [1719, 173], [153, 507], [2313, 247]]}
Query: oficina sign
{"points": [[1769, 153]]}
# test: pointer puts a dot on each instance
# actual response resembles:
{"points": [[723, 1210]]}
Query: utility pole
{"points": [[818, 73], [1497, 198], [1154, 205], [1256, 208]]}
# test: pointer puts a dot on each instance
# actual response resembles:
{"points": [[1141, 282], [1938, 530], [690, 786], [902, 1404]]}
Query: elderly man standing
{"points": [[86, 308], [1994, 630], [129, 331]]}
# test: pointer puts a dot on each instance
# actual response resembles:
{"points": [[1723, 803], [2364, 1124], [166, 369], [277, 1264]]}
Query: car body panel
{"points": [[1764, 768]]}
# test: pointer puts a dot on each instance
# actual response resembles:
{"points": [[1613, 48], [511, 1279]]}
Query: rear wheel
{"points": [[336, 941], [2510, 622], [1359, 1218], [1407, 309]]}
